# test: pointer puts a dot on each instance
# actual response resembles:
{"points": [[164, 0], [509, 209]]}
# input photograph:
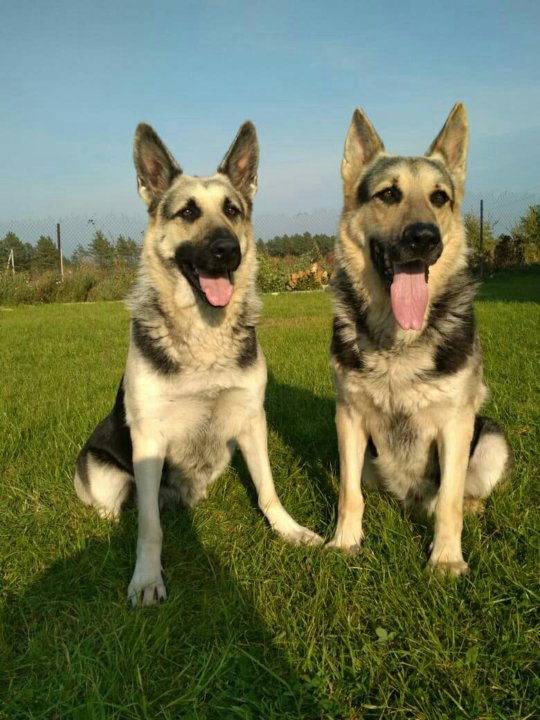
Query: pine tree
{"points": [[45, 255], [127, 251], [22, 252], [101, 251]]}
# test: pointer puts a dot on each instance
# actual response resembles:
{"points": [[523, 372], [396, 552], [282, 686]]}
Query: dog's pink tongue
{"points": [[218, 289], [409, 294]]}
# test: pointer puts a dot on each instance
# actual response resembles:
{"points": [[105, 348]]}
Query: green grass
{"points": [[254, 628], [519, 284]]}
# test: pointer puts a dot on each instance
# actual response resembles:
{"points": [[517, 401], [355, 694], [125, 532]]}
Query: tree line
{"points": [[43, 256], [295, 245], [520, 246]]}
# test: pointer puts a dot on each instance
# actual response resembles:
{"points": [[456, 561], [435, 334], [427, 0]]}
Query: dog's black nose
{"points": [[421, 238], [419, 241], [225, 250]]}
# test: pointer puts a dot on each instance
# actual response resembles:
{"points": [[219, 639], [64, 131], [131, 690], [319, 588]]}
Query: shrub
{"points": [[15, 289], [272, 276], [86, 284]]}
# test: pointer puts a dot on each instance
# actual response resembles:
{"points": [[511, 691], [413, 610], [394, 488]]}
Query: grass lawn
{"points": [[254, 628]]}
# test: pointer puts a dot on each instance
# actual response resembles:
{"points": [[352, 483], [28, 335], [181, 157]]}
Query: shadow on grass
{"points": [[73, 647], [305, 423], [514, 285]]}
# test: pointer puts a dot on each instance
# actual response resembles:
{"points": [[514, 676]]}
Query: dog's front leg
{"points": [[253, 443], [352, 441], [146, 586], [453, 446]]}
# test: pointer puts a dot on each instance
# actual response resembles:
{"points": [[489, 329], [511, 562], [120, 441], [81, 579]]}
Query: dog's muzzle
{"points": [[208, 266], [419, 243], [403, 265]]}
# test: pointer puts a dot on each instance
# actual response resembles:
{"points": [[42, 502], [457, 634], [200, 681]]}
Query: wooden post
{"points": [[58, 237], [11, 261], [481, 238]]}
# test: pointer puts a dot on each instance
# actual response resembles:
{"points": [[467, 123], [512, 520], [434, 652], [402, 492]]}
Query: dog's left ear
{"points": [[452, 142], [156, 167], [242, 160]]}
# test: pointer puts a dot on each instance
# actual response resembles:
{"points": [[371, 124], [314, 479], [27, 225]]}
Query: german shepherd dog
{"points": [[405, 352], [195, 376]]}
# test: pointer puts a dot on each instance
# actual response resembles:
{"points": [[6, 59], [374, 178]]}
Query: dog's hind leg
{"points": [[104, 471], [489, 462], [102, 484], [254, 446]]}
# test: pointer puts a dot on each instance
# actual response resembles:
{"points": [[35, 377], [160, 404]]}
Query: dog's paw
{"points": [[146, 591], [288, 529], [350, 543], [455, 568], [473, 506], [300, 536], [111, 514]]}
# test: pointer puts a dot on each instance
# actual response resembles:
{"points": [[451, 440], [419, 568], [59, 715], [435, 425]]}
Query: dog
{"points": [[405, 352], [195, 376]]}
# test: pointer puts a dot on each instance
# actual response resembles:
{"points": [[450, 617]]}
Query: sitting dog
{"points": [[195, 376], [405, 351]]}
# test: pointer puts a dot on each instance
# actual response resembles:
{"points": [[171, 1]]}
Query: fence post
{"points": [[58, 237], [481, 238]]}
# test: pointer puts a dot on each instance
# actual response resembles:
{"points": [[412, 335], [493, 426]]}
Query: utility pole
{"points": [[58, 237]]}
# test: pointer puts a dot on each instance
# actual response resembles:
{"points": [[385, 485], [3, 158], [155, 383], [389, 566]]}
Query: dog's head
{"points": [[200, 226], [404, 211]]}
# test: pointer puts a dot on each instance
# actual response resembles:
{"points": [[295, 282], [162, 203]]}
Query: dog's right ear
{"points": [[156, 167], [451, 144], [361, 146]]}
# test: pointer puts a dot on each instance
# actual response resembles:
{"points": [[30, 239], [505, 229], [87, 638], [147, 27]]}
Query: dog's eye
{"points": [[190, 212], [439, 198], [231, 210], [390, 195]]}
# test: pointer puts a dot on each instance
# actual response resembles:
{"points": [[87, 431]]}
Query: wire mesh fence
{"points": [[501, 230]]}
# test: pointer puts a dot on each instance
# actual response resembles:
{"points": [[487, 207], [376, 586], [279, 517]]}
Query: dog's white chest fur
{"points": [[197, 415], [397, 383], [402, 410]]}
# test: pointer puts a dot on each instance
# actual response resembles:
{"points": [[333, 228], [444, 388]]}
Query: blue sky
{"points": [[77, 78]]}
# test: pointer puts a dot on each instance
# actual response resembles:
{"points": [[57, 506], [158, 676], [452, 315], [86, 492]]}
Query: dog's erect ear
{"points": [[361, 146], [242, 159], [156, 167], [452, 142]]}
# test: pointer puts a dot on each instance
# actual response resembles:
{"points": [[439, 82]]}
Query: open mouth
{"points": [[216, 288], [408, 285], [403, 263]]}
